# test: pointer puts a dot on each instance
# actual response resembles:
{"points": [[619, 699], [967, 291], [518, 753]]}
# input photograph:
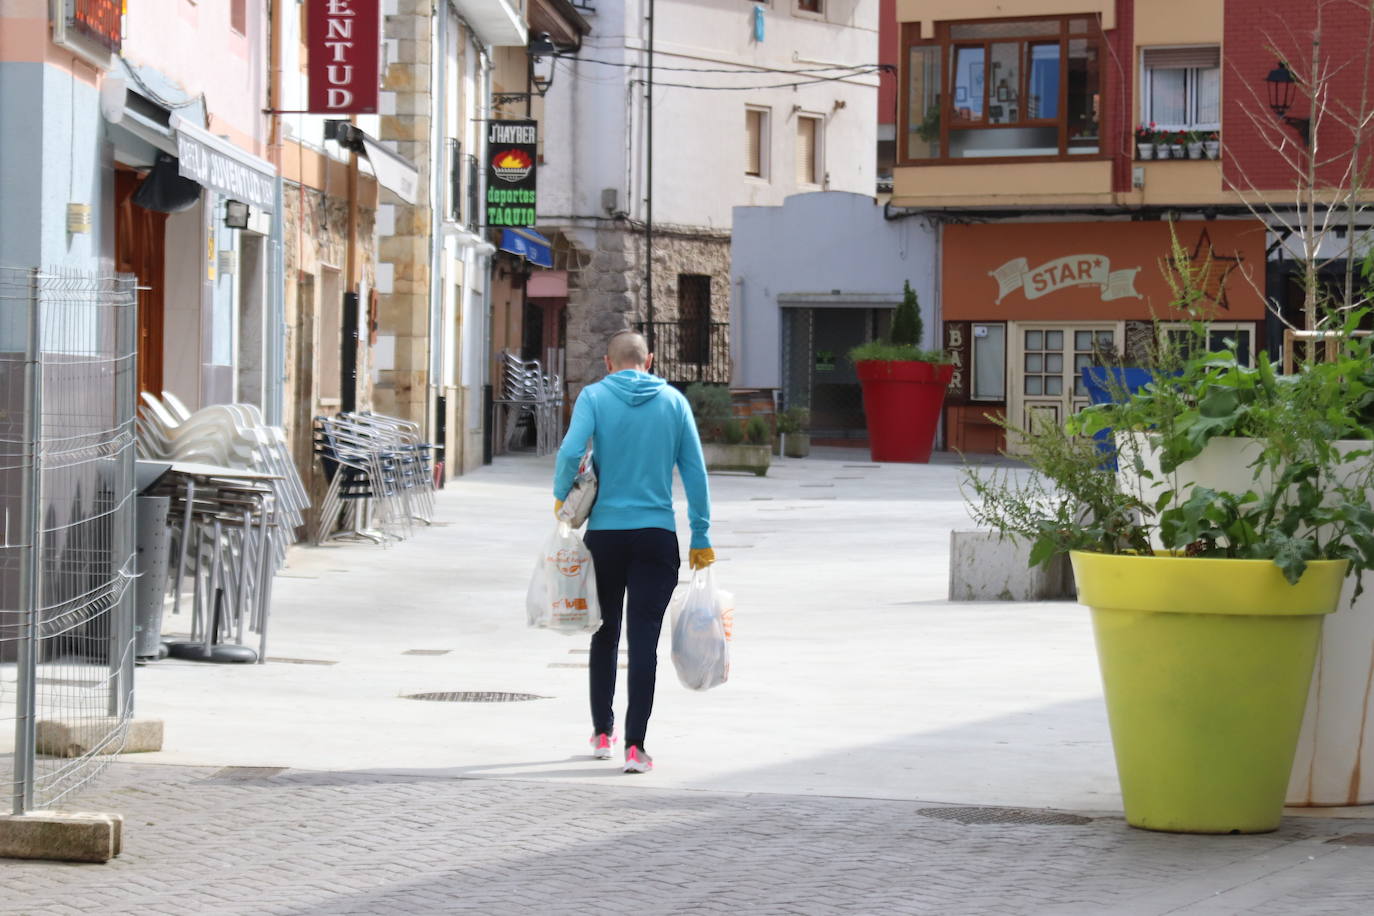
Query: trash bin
{"points": [[151, 542]]}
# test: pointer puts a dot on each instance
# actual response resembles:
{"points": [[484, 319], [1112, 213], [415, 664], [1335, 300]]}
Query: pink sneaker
{"points": [[601, 746], [636, 761]]}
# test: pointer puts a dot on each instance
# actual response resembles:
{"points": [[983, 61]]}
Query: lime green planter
{"points": [[1206, 665]]}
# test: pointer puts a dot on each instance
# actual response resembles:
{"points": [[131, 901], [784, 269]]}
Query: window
{"points": [[238, 16], [693, 317], [1180, 88], [1003, 88], [808, 150], [989, 362], [1220, 337], [810, 6], [756, 142], [455, 179]]}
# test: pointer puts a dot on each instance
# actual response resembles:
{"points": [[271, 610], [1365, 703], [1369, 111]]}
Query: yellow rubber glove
{"points": [[557, 507], [700, 559]]}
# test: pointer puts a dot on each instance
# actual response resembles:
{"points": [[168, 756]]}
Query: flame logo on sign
{"points": [[512, 165]]}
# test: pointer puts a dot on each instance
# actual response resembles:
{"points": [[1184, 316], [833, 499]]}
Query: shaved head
{"points": [[627, 350]]}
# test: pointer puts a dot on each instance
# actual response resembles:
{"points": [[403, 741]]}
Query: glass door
{"points": [[1044, 362]]}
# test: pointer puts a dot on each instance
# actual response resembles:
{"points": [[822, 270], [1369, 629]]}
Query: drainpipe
{"points": [[274, 368], [437, 338]]}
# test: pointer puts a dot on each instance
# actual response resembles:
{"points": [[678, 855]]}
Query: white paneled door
{"points": [[1043, 362]]}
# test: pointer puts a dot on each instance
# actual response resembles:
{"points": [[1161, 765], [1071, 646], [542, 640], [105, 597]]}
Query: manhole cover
{"points": [[426, 651], [473, 696], [1353, 839], [1005, 816], [300, 661]]}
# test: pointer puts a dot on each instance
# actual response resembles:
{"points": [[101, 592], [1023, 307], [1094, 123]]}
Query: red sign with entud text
{"points": [[342, 40]]}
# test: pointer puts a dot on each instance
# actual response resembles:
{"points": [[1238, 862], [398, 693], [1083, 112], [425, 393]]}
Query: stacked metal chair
{"points": [[236, 501], [381, 477], [530, 395]]}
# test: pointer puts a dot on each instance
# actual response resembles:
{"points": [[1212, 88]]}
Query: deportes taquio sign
{"points": [[511, 150], [342, 42]]}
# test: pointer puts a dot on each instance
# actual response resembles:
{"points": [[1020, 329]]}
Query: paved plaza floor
{"points": [[877, 750]]}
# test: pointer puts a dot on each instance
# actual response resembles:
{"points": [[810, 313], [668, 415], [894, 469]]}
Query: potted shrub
{"points": [[1211, 145], [794, 426], [726, 443], [1194, 145], [1207, 602], [903, 387], [1178, 141], [1145, 141]]}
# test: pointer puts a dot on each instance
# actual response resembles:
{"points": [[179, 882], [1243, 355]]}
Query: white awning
{"points": [[393, 172], [221, 166]]}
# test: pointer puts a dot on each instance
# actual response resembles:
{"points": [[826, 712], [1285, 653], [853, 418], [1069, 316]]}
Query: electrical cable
{"points": [[810, 82], [746, 69]]}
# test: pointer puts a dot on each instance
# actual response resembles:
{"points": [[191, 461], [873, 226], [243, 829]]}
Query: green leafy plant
{"points": [[903, 341], [929, 129], [757, 431], [794, 420], [711, 409], [732, 432]]}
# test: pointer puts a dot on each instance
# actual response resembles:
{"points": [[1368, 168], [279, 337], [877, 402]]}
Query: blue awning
{"points": [[529, 244]]}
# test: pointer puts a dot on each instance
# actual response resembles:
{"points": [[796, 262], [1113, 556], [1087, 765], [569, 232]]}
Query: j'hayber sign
{"points": [[342, 41], [511, 150], [1062, 273]]}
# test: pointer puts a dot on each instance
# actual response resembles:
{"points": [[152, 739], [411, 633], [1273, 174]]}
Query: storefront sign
{"points": [[342, 41], [959, 349], [825, 360], [218, 165], [1108, 270], [1061, 273], [511, 150], [99, 20]]}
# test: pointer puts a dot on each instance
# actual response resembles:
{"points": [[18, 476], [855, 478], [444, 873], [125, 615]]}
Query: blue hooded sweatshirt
{"points": [[640, 429]]}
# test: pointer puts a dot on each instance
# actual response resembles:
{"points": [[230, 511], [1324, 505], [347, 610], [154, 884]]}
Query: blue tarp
{"points": [[529, 244]]}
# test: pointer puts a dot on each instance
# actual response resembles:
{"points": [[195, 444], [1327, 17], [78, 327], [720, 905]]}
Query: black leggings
{"points": [[643, 562]]}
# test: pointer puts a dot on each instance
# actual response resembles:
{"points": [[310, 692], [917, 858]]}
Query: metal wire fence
{"points": [[67, 385]]}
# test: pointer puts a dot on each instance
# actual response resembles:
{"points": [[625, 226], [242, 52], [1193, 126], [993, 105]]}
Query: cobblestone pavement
{"points": [[200, 840]]}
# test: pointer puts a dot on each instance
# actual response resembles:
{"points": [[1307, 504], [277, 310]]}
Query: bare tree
{"points": [[1336, 136]]}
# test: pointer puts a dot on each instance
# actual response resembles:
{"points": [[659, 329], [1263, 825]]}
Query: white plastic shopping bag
{"points": [[703, 619], [562, 592]]}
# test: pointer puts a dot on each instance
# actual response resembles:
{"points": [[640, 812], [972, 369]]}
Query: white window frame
{"points": [[1190, 93], [817, 149], [765, 143]]}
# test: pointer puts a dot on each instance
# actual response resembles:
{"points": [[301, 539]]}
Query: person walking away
{"points": [[640, 429]]}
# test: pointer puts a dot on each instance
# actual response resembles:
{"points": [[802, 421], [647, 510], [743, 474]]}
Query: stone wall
{"points": [[605, 286], [403, 311]]}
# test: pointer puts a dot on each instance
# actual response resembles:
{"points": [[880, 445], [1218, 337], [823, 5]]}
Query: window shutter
{"points": [[1197, 57], [753, 129], [806, 150]]}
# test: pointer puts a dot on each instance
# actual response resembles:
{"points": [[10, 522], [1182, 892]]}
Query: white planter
{"points": [[1212, 148], [1335, 759], [1177, 150], [1162, 151], [1194, 150], [1145, 150], [753, 459]]}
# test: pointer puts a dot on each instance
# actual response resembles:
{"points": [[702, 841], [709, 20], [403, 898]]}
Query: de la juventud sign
{"points": [[511, 150]]}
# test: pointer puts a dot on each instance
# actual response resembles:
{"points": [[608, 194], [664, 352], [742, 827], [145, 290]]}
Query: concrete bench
{"points": [[985, 566]]}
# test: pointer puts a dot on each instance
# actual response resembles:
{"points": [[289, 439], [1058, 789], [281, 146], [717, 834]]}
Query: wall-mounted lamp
{"points": [[1281, 85], [236, 214], [542, 52]]}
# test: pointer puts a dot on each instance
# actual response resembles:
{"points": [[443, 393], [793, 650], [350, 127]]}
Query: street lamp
{"points": [[542, 52], [1281, 86]]}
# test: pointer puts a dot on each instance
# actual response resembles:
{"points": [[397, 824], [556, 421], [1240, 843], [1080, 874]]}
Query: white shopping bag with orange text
{"points": [[562, 592]]}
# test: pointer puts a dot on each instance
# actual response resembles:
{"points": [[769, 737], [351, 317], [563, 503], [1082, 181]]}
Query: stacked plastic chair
{"points": [[529, 394], [236, 503], [380, 474]]}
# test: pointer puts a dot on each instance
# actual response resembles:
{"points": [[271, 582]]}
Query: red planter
{"points": [[902, 402]]}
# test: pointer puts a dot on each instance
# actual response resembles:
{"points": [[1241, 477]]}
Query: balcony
{"points": [[690, 351]]}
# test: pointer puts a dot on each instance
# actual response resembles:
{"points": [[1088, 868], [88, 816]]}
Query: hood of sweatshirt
{"points": [[634, 387]]}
